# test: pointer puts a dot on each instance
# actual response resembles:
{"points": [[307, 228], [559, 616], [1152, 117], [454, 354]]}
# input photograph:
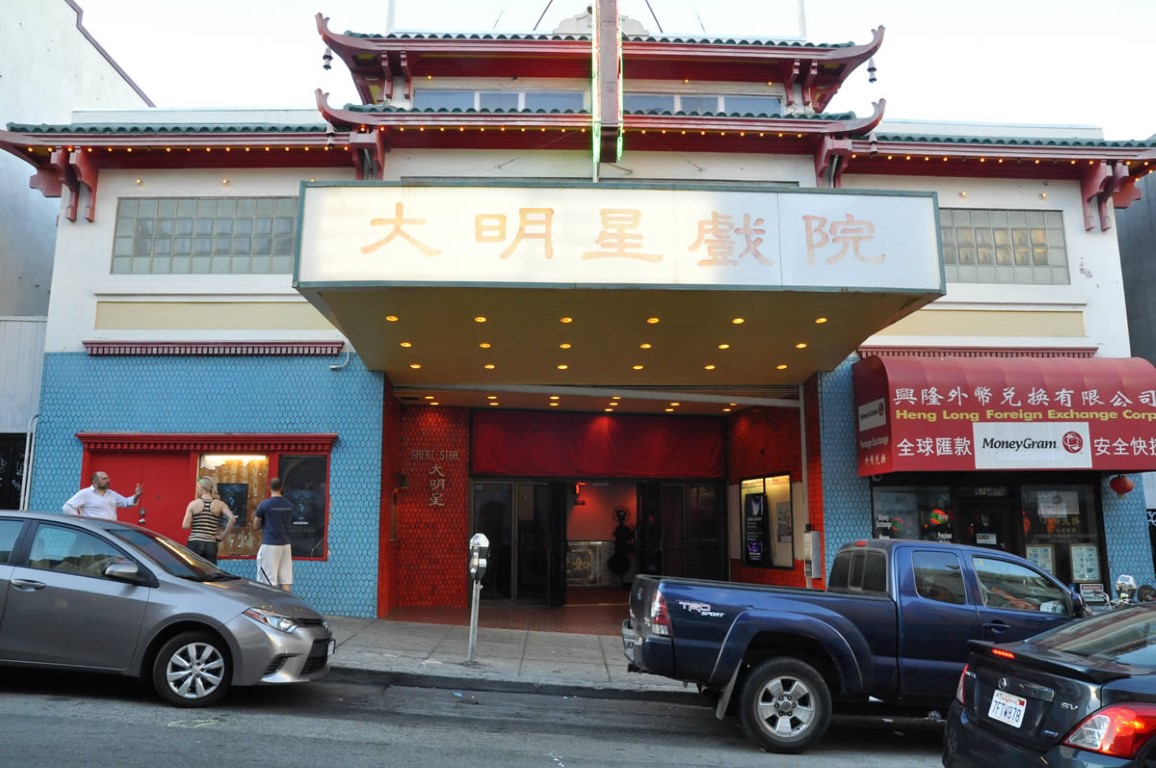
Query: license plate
{"points": [[1007, 709]]}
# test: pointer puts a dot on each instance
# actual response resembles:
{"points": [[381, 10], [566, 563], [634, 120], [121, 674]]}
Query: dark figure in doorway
{"points": [[619, 562]]}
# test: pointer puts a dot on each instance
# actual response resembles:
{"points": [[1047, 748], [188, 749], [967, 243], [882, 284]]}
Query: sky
{"points": [[1059, 62]]}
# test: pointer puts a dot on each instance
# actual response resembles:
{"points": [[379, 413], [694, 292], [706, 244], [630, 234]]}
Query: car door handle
{"points": [[25, 585], [997, 626]]}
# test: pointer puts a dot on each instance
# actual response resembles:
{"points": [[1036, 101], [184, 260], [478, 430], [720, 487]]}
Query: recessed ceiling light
{"points": [[489, 366], [724, 346], [491, 397], [820, 320], [781, 366], [564, 345], [479, 319], [612, 405], [495, 402], [553, 397], [738, 321], [553, 405], [391, 318], [565, 320], [801, 345], [562, 366], [733, 405], [429, 397], [653, 320], [485, 345], [709, 366], [415, 366], [608, 410], [407, 344], [435, 402], [616, 397], [644, 346], [637, 367], [669, 410]]}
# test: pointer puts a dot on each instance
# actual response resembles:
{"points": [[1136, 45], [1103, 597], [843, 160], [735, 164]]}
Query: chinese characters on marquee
{"points": [[722, 240], [435, 475]]}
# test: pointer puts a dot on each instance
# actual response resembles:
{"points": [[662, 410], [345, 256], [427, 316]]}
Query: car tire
{"points": [[785, 705], [192, 670]]}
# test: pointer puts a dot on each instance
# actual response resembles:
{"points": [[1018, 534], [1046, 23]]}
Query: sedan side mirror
{"points": [[129, 572]]}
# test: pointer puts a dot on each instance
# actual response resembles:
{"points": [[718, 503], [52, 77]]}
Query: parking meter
{"points": [[479, 556]]}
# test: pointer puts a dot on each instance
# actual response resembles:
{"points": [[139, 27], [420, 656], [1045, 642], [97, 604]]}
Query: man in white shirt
{"points": [[99, 500]]}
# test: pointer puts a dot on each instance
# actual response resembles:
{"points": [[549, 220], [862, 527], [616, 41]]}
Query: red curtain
{"points": [[588, 445]]}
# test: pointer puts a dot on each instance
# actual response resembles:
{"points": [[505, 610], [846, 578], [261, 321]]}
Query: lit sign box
{"points": [[609, 235]]}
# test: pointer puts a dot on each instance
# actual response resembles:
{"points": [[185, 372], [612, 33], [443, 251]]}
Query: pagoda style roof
{"points": [[375, 61]]}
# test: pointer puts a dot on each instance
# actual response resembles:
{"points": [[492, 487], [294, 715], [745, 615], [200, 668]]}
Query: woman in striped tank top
{"points": [[203, 520]]}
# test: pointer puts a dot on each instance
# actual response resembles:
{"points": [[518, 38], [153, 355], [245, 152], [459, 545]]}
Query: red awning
{"points": [[967, 413]]}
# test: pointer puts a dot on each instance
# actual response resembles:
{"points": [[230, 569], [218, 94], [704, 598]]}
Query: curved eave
{"points": [[161, 150], [1020, 160], [781, 126]]}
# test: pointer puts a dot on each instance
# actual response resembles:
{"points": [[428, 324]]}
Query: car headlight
{"points": [[269, 618]]}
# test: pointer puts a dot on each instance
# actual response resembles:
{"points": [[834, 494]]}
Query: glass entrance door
{"points": [[517, 519], [681, 530]]}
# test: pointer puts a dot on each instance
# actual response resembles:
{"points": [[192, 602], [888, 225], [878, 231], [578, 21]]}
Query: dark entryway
{"points": [[682, 529], [526, 525], [11, 470]]}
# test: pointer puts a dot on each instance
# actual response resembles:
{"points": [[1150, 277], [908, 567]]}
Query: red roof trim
{"points": [[214, 348], [117, 441]]}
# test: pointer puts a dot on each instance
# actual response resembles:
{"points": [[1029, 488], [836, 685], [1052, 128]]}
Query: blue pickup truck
{"points": [[891, 629]]}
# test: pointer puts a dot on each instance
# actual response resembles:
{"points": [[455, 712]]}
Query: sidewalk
{"points": [[437, 656]]}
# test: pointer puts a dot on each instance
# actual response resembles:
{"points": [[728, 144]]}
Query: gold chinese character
{"points": [[847, 234], [616, 239], [533, 224], [398, 221]]}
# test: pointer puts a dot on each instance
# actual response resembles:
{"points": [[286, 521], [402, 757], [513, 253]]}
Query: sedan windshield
{"points": [[1125, 637], [170, 556]]}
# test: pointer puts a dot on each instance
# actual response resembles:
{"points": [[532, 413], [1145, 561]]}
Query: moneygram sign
{"points": [[959, 414]]}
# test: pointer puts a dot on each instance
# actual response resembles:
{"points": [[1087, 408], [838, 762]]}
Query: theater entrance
{"points": [[525, 522]]}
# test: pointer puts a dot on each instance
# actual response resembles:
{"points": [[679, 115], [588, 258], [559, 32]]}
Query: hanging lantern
{"points": [[1121, 484]]}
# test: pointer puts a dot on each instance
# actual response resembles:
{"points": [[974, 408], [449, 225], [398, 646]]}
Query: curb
{"points": [[575, 690]]}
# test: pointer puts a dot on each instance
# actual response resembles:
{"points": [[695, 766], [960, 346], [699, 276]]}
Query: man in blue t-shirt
{"points": [[275, 556]]}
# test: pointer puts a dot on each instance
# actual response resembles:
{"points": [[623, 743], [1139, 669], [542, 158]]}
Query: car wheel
{"points": [[192, 670], [785, 705]]}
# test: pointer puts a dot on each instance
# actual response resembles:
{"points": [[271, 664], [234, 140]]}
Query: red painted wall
{"points": [[433, 512], [760, 442], [388, 546]]}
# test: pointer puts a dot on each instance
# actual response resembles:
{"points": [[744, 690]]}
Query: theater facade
{"points": [[625, 303]]}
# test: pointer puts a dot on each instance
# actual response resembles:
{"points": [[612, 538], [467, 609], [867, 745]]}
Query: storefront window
{"points": [[913, 512], [1054, 524]]}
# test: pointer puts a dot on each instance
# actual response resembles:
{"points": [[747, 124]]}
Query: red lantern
{"points": [[1121, 484]]}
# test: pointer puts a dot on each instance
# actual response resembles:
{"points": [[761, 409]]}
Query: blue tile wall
{"points": [[847, 497], [272, 394]]}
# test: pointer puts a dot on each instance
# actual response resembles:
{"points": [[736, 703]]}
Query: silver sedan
{"points": [[104, 596]]}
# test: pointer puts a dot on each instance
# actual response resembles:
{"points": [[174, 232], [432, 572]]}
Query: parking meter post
{"points": [[479, 554]]}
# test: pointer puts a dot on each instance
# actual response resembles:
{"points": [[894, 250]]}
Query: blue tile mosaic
{"points": [[274, 394]]}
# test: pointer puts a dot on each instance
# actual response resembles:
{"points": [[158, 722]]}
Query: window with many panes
{"points": [[534, 101], [204, 235], [731, 103], [1004, 246]]}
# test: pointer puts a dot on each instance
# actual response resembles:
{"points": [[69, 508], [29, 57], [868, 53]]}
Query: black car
{"points": [[1080, 695]]}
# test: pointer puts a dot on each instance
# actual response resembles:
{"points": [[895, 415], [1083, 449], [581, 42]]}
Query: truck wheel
{"points": [[192, 670], [785, 705]]}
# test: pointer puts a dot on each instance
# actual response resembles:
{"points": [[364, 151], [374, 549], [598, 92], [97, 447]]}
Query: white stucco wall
{"points": [[1096, 287]]}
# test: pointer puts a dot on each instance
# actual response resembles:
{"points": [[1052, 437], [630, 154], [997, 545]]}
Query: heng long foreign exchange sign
{"points": [[962, 414], [380, 233]]}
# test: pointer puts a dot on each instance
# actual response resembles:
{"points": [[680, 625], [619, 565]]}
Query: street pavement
{"points": [[437, 655]]}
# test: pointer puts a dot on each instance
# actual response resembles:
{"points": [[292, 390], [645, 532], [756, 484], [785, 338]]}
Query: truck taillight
{"points": [[659, 618]]}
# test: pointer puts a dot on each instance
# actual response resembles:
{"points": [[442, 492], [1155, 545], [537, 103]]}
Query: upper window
{"points": [[1011, 586], [68, 550], [534, 101], [204, 235], [1004, 246], [938, 576], [754, 105]]}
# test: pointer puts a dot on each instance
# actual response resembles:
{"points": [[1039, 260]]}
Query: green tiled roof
{"points": [[120, 129], [1013, 141], [463, 36], [754, 42], [818, 116], [383, 109]]}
